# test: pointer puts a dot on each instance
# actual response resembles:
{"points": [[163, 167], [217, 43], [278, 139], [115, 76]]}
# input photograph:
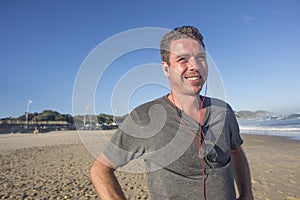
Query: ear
{"points": [[165, 68]]}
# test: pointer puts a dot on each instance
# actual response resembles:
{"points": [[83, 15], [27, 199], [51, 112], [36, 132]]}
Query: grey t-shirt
{"points": [[165, 137]]}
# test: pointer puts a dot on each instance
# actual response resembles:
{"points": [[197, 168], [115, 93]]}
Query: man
{"points": [[190, 143]]}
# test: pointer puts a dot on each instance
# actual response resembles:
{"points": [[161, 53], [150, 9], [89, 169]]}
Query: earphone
{"points": [[167, 68]]}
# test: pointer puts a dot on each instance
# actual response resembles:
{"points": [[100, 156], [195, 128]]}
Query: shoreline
{"points": [[56, 165], [290, 137]]}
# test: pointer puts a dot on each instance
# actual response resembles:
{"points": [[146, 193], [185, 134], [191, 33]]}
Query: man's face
{"points": [[188, 67]]}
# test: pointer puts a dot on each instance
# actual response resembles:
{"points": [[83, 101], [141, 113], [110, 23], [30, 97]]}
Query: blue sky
{"points": [[255, 45]]}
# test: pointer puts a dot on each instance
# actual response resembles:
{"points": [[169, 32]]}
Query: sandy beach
{"points": [[56, 165]]}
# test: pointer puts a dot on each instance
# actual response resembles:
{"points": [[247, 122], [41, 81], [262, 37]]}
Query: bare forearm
{"points": [[242, 176], [106, 184]]}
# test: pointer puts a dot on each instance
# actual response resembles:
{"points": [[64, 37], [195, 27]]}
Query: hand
{"points": [[245, 198]]}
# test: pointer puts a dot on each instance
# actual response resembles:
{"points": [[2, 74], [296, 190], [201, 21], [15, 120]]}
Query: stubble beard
{"points": [[187, 90]]}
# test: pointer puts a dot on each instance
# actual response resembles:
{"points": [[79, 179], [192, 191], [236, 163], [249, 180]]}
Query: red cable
{"points": [[198, 142]]}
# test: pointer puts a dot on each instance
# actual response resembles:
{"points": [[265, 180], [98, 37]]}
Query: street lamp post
{"points": [[84, 117], [27, 111], [114, 117]]}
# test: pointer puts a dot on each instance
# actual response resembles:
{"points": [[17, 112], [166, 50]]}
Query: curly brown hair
{"points": [[175, 34]]}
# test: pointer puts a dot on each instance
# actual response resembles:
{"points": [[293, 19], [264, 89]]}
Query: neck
{"points": [[189, 104], [185, 103]]}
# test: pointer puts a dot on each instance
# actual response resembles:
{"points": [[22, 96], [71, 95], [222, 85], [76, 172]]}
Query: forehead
{"points": [[185, 46]]}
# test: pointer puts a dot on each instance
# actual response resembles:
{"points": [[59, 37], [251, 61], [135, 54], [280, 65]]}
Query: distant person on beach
{"points": [[36, 130], [190, 143]]}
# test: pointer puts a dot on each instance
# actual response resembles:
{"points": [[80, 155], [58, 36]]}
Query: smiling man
{"points": [[196, 152]]}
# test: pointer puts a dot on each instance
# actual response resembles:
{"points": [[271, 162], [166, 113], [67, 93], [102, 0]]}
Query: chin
{"points": [[197, 91], [193, 93]]}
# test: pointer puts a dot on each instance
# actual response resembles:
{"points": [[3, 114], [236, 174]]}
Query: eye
{"points": [[201, 57], [182, 59]]}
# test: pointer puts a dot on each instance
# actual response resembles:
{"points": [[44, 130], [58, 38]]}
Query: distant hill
{"points": [[251, 115]]}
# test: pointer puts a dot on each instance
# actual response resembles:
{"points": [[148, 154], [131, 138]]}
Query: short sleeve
{"points": [[123, 147], [235, 137]]}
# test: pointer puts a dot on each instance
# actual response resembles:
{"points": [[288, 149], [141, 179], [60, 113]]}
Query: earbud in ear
{"points": [[167, 68]]}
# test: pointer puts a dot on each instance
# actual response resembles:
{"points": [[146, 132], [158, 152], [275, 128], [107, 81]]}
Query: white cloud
{"points": [[247, 19]]}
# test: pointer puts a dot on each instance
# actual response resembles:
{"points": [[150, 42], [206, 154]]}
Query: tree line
{"points": [[50, 115]]}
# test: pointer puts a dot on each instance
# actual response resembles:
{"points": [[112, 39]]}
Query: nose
{"points": [[200, 66], [194, 64]]}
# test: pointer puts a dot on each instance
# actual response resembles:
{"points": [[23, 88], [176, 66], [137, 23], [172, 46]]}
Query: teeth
{"points": [[193, 78]]}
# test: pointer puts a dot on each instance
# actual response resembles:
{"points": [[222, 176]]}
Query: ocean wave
{"points": [[290, 132], [264, 128]]}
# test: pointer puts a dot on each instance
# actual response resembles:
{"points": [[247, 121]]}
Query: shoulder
{"points": [[144, 112], [146, 107], [217, 105], [159, 100]]}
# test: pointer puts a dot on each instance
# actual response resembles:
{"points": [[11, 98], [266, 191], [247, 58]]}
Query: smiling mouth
{"points": [[193, 78]]}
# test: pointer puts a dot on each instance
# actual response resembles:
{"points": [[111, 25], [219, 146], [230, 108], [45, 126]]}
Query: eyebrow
{"points": [[183, 55], [188, 55], [201, 54]]}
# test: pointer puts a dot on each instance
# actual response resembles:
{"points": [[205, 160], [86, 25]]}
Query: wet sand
{"points": [[56, 166]]}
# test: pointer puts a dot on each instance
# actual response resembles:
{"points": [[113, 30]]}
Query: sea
{"points": [[281, 125]]}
